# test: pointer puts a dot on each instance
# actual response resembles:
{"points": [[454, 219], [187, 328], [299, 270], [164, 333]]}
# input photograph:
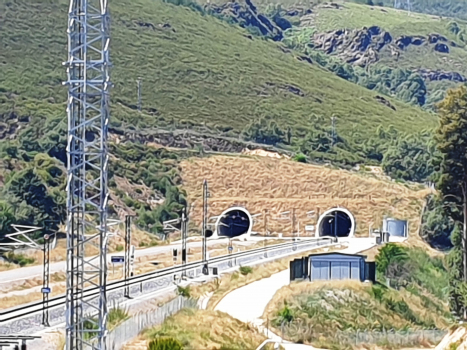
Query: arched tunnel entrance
{"points": [[234, 222], [336, 222]]}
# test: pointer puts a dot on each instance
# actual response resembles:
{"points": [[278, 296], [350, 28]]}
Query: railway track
{"points": [[16, 320]]}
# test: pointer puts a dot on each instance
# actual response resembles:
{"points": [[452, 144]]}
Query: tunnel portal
{"points": [[336, 222], [234, 222]]}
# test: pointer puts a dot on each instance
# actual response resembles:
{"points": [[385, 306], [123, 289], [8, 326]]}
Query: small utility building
{"points": [[333, 266]]}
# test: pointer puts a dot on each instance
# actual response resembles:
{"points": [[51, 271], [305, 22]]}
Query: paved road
{"points": [[7, 277], [35, 271], [248, 303]]}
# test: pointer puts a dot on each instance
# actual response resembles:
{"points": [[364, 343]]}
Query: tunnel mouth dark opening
{"points": [[233, 223], [209, 233], [328, 225]]}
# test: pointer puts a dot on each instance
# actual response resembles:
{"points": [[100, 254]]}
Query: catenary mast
{"points": [[87, 190]]}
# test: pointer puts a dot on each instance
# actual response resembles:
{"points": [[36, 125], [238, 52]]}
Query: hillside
{"points": [[260, 183], [197, 71], [337, 314], [354, 315], [206, 85], [384, 40], [202, 329]]}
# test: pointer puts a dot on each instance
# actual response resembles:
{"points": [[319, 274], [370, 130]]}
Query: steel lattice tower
{"points": [[87, 190]]}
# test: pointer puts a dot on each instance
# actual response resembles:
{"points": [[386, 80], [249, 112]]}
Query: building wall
{"points": [[337, 267], [332, 267]]}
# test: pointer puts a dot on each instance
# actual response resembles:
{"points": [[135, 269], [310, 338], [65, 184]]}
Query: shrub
{"points": [[245, 270], [301, 158], [119, 248], [116, 316], [19, 259], [184, 291], [285, 315], [165, 344]]}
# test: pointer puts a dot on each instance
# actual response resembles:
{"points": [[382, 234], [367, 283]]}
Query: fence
{"points": [[130, 328], [401, 338]]}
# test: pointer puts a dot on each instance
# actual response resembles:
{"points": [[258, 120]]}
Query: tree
{"points": [[451, 138], [436, 227], [262, 131], [410, 158]]}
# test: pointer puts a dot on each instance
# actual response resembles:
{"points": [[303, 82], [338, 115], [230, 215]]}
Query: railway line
{"points": [[27, 319]]}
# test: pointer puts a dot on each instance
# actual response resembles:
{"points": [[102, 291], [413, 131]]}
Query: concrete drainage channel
{"points": [[32, 323]]}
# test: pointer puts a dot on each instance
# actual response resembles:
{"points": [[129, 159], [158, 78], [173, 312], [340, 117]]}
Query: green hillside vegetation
{"points": [[396, 21], [444, 8], [395, 75], [329, 314], [199, 73]]}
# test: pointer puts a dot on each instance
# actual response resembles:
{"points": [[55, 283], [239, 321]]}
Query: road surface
{"points": [[23, 273], [248, 303], [7, 277]]}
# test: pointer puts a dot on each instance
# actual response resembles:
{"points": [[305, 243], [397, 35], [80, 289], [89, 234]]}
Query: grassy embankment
{"points": [[330, 314], [203, 329]]}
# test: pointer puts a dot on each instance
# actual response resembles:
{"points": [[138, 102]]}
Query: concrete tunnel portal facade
{"points": [[234, 222], [336, 222]]}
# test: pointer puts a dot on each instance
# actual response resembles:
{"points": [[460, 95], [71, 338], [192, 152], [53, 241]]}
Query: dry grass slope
{"points": [[279, 185], [203, 329]]}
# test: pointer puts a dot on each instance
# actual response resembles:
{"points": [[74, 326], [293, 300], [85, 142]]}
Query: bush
{"points": [[184, 291], [285, 315], [116, 316], [245, 270], [301, 158], [19, 259], [165, 344]]}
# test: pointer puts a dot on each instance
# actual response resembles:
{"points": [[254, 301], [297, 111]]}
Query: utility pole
{"points": [[139, 94], [293, 222], [45, 282], [128, 256], [205, 218], [335, 224], [333, 130], [88, 110], [184, 238]]}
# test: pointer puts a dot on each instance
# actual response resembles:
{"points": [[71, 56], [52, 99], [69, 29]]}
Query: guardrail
{"points": [[29, 317]]}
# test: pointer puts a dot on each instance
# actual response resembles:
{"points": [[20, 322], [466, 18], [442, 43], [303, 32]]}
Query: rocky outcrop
{"points": [[360, 46], [406, 40], [246, 14], [436, 75], [385, 102], [10, 124], [440, 47]]}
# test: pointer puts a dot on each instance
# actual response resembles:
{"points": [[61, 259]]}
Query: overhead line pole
{"points": [[205, 218], [184, 238], [128, 257], [88, 112], [45, 282]]}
